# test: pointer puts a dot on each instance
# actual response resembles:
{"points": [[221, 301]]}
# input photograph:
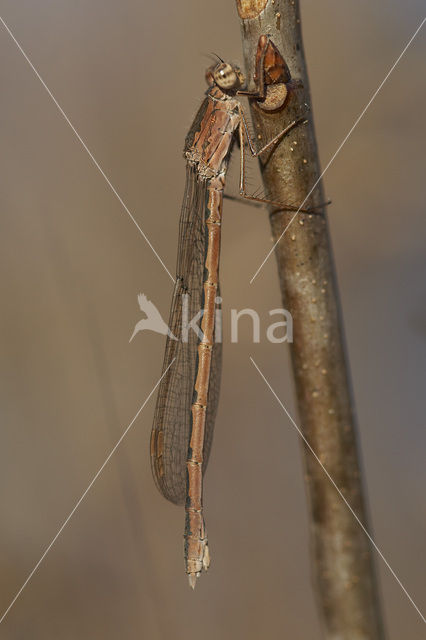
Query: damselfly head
{"points": [[226, 76]]}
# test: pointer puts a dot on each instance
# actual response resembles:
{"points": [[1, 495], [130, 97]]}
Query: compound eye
{"points": [[226, 77]]}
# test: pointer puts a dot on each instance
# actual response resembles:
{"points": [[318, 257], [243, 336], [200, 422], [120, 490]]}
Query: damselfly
{"points": [[187, 400]]}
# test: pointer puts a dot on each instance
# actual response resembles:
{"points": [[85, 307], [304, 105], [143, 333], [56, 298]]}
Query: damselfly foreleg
{"points": [[244, 131]]}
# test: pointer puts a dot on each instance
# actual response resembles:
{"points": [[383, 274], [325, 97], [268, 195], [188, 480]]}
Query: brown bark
{"points": [[343, 571]]}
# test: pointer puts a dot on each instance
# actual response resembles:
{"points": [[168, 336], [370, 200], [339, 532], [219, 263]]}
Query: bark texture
{"points": [[342, 564]]}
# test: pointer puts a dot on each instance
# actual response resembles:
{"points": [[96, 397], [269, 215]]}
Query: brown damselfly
{"points": [[188, 395]]}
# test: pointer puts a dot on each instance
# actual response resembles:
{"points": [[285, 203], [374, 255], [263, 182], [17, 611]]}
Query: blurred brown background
{"points": [[130, 76]]}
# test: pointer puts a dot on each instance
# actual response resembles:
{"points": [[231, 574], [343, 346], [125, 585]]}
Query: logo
{"points": [[153, 320], [276, 332]]}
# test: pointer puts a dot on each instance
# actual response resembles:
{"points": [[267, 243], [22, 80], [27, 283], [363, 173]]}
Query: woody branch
{"points": [[342, 563]]}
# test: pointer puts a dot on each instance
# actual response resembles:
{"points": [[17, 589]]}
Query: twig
{"points": [[344, 576]]}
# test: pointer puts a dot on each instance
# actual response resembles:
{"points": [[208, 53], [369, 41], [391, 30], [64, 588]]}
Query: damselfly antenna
{"points": [[218, 57]]}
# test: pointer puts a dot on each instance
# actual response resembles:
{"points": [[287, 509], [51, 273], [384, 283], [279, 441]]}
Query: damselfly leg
{"points": [[273, 86], [244, 133]]}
